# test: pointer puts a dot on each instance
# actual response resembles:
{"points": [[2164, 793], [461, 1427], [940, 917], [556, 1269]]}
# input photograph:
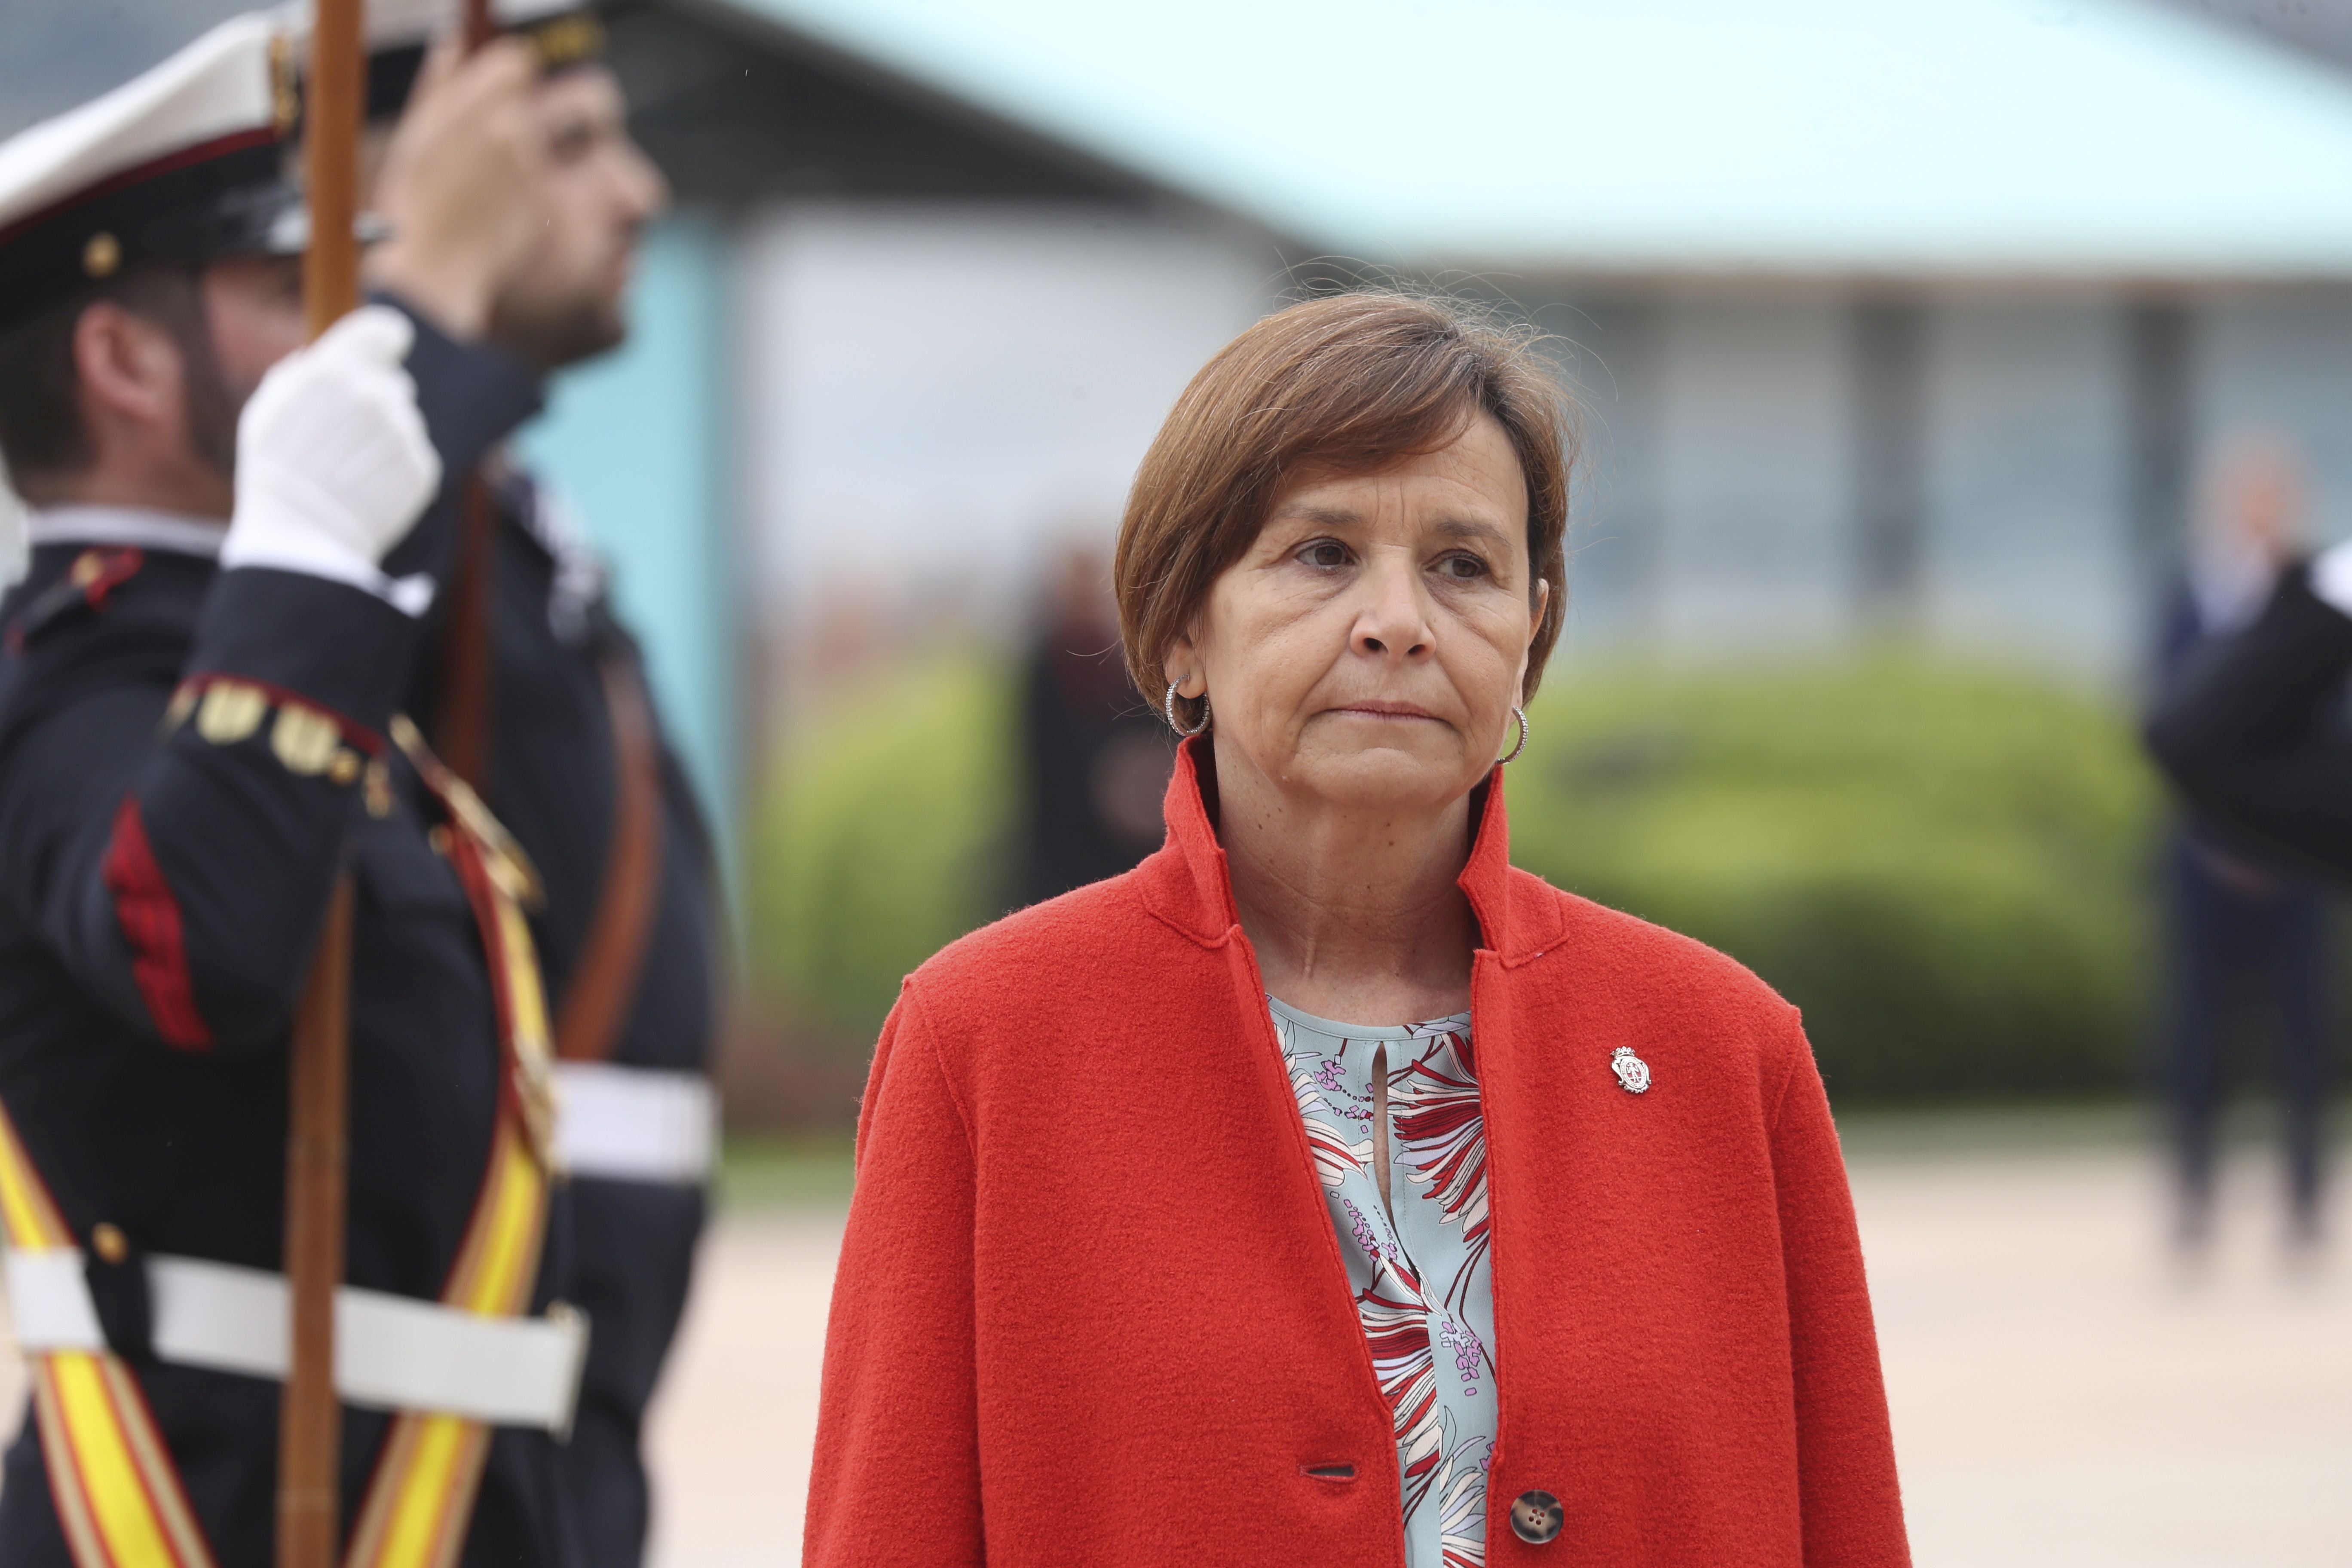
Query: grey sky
{"points": [[55, 53]]}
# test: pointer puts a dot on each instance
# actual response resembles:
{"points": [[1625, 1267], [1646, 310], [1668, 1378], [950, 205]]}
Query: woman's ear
{"points": [[1519, 686], [1183, 667]]}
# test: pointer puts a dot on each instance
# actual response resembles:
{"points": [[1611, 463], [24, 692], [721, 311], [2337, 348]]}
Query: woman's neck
{"points": [[1356, 915]]}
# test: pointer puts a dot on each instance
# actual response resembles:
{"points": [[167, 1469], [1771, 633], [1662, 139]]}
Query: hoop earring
{"points": [[1521, 715], [1168, 706]]}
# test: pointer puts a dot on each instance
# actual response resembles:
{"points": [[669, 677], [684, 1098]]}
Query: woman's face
{"points": [[1368, 648]]}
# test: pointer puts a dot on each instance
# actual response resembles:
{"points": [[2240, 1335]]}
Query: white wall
{"points": [[937, 395], [2029, 547], [934, 396], [1754, 474]]}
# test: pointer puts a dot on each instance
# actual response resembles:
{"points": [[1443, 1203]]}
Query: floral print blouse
{"points": [[1418, 1265]]}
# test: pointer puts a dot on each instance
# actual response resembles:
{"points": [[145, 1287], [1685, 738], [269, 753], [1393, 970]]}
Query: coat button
{"points": [[1537, 1517]]}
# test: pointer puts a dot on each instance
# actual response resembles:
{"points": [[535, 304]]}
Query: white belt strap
{"points": [[634, 1124], [391, 1352]]}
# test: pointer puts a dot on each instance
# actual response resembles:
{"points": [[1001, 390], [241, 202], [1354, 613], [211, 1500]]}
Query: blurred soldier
{"points": [[199, 730], [533, 691], [2247, 934], [1097, 760]]}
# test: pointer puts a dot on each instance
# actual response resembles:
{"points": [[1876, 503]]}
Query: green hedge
{"points": [[879, 840], [1944, 868]]}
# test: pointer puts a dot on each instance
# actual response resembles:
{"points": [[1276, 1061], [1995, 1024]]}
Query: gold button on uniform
{"points": [[101, 254], [230, 710], [109, 1242], [377, 789], [305, 740], [183, 702]]}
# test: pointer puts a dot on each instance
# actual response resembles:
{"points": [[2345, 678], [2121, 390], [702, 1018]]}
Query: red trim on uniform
{"points": [[202, 152], [149, 918], [116, 567], [354, 731], [465, 858]]}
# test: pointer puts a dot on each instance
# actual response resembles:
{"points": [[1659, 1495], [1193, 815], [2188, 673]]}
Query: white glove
{"points": [[333, 467]]}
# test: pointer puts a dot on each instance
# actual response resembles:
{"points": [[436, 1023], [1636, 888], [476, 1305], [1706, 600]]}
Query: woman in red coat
{"points": [[1325, 1190]]}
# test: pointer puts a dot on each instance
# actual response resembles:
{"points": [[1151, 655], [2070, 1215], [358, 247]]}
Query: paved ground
{"points": [[2062, 1392]]}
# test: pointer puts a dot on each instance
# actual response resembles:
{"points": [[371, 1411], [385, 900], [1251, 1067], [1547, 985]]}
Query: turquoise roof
{"points": [[2094, 138]]}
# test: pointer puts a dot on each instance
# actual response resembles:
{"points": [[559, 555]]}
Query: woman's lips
{"points": [[1387, 710]]}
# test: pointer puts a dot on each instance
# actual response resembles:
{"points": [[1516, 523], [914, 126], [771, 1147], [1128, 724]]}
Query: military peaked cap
{"points": [[565, 32], [186, 163]]}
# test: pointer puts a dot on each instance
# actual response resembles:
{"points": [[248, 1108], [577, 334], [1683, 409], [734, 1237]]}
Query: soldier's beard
{"points": [[175, 303], [549, 337], [213, 404]]}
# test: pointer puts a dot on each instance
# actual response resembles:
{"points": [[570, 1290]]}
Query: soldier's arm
{"points": [[463, 188], [172, 832], [175, 853], [473, 395]]}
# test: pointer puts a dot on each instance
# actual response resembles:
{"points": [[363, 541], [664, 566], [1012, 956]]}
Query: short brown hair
{"points": [[1356, 382], [42, 435]]}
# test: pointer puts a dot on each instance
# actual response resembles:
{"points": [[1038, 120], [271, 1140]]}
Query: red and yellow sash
{"points": [[422, 1496], [118, 1493]]}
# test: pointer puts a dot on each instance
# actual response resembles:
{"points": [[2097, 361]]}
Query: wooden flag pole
{"points": [[310, 1419], [461, 728], [330, 270], [318, 1088]]}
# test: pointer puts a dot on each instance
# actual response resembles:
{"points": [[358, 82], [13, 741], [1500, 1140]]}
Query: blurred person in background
{"points": [[1324, 1189], [536, 694], [2244, 937], [1096, 758]]}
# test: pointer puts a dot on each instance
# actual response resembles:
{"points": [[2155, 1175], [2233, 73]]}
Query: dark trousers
{"points": [[2244, 947]]}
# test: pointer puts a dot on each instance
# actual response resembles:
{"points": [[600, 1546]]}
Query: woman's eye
{"points": [[1325, 553], [1463, 568]]}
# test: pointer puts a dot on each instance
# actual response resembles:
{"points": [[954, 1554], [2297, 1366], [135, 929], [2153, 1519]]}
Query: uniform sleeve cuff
{"points": [[411, 596], [336, 646], [473, 394]]}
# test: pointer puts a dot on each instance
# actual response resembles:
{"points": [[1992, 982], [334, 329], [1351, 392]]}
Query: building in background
{"points": [[1900, 322], [1904, 320]]}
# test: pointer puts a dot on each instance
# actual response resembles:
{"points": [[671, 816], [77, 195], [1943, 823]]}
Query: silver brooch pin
{"points": [[1633, 1072]]}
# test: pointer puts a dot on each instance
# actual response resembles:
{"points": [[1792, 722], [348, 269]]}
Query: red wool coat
{"points": [[1091, 1312]]}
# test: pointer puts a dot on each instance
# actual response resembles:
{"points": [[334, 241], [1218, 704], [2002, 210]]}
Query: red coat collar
{"points": [[1188, 884]]}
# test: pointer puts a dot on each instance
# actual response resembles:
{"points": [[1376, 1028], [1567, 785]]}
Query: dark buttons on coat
{"points": [[1537, 1517]]}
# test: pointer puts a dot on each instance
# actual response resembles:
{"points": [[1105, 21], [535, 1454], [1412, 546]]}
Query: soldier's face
{"points": [[254, 308], [253, 313], [566, 303]]}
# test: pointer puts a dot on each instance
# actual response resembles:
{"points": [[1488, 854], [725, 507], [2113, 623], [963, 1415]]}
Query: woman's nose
{"points": [[1391, 622]]}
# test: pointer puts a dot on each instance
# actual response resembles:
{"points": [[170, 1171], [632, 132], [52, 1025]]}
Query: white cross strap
{"points": [[391, 1352]]}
